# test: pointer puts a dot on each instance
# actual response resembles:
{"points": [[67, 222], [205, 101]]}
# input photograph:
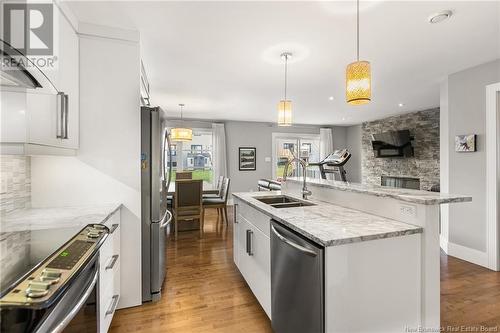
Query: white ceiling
{"points": [[222, 58]]}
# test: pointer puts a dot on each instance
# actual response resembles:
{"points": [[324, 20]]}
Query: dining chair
{"points": [[184, 175], [188, 203], [219, 203], [214, 193]]}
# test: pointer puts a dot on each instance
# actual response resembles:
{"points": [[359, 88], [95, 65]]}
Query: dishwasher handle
{"points": [[292, 244]]}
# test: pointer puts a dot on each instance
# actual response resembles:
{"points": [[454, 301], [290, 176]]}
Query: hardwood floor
{"points": [[204, 291], [470, 295]]}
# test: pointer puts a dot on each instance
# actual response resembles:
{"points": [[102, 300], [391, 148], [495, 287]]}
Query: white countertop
{"points": [[49, 218], [407, 195], [328, 224]]}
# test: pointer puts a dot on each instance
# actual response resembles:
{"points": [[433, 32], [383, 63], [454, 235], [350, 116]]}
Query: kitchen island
{"points": [[381, 252]]}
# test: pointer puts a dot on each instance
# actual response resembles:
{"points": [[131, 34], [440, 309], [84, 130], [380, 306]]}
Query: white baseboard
{"points": [[443, 243], [466, 253], [230, 202]]}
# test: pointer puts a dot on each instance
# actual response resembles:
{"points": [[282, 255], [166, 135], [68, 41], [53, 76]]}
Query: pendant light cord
{"points": [[357, 28], [182, 107], [286, 70]]}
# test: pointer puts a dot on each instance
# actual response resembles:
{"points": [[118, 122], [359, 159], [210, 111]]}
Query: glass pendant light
{"points": [[358, 76], [285, 105], [181, 133]]}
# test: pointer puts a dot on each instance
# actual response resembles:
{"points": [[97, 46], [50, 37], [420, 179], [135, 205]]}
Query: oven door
{"points": [[76, 310]]}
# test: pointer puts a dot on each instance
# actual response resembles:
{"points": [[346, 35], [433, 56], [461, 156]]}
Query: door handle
{"points": [[81, 302], [249, 242], [292, 244]]}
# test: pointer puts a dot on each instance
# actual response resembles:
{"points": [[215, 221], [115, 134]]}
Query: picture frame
{"points": [[247, 158], [465, 143]]}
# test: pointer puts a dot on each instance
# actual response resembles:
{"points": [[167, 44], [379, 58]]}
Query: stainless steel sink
{"points": [[283, 201]]}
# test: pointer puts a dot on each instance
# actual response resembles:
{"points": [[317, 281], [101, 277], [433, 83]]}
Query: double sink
{"points": [[283, 201]]}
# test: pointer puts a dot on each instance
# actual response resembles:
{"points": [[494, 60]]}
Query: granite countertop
{"points": [[414, 196], [49, 218], [328, 224]]}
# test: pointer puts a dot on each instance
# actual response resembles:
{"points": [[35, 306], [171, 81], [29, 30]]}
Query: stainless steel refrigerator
{"points": [[155, 179]]}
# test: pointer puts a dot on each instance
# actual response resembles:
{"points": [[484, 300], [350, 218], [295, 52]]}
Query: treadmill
{"points": [[334, 164]]}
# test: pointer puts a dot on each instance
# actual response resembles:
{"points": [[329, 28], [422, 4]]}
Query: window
{"points": [[195, 156], [283, 146]]}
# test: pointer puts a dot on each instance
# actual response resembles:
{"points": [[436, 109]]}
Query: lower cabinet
{"points": [[109, 273], [252, 256]]}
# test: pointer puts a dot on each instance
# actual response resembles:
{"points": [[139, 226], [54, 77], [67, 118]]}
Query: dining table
{"points": [[207, 189]]}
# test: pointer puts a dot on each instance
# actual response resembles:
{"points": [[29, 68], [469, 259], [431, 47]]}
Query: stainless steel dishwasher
{"points": [[297, 282]]}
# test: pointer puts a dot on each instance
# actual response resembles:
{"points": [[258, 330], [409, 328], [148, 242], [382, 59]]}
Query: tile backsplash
{"points": [[15, 194], [15, 175]]}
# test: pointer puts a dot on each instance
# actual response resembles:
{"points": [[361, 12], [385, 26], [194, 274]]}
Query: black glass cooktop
{"points": [[21, 251]]}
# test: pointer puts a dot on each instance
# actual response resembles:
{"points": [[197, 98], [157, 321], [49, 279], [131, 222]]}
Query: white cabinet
{"points": [[42, 117], [252, 252], [109, 273]]}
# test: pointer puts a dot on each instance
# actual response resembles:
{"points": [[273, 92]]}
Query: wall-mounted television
{"points": [[393, 144]]}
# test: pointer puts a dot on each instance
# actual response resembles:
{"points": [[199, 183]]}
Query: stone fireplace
{"points": [[421, 170]]}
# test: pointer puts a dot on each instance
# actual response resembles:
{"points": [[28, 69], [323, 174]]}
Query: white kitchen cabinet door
{"points": [[256, 263], [43, 125], [67, 77], [260, 268], [240, 246], [237, 248], [43, 119]]}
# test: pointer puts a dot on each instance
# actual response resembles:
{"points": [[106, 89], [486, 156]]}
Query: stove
{"points": [[50, 279]]}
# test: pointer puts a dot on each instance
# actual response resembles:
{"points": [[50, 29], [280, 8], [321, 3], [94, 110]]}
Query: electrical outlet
{"points": [[408, 210]]}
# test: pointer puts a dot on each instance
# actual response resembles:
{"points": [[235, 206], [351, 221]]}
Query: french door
{"points": [[285, 146]]}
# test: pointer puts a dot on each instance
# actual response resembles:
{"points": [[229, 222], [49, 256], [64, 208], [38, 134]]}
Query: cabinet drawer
{"points": [[108, 300], [253, 216]]}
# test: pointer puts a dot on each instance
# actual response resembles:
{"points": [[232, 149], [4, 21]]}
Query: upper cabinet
{"points": [[45, 119]]}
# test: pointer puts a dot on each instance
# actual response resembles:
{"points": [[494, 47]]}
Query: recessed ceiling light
{"points": [[330, 98], [440, 16], [401, 105]]}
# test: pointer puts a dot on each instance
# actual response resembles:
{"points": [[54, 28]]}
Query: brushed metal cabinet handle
{"points": [[60, 115], [113, 305], [113, 228], [66, 114], [235, 212], [114, 259], [249, 242]]}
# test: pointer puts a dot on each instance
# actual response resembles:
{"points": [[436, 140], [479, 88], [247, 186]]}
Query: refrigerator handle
{"points": [[168, 175]]}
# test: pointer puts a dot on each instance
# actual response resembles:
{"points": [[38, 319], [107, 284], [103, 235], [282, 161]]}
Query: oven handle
{"points": [[65, 321]]}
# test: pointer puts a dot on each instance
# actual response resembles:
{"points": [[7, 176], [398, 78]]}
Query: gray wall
{"points": [[466, 113], [259, 135], [424, 127], [353, 144]]}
